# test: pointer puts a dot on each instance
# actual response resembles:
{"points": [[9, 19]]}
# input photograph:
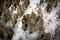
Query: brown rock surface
{"points": [[5, 33]]}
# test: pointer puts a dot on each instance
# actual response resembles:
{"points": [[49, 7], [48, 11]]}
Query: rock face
{"points": [[57, 34], [5, 33], [29, 20]]}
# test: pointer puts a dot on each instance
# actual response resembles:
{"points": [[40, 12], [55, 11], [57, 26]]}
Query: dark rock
{"points": [[51, 4], [57, 34], [48, 8], [0, 13], [37, 19], [31, 32], [41, 1], [6, 33], [45, 36], [58, 13], [1, 35], [26, 3]]}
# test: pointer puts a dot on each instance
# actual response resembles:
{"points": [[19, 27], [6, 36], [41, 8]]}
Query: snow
{"points": [[49, 26], [32, 6], [18, 31]]}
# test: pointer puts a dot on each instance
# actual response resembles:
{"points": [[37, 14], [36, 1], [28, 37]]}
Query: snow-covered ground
{"points": [[50, 21], [18, 29]]}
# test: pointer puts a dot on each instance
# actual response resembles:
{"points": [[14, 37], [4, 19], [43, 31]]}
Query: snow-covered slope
{"points": [[50, 20]]}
